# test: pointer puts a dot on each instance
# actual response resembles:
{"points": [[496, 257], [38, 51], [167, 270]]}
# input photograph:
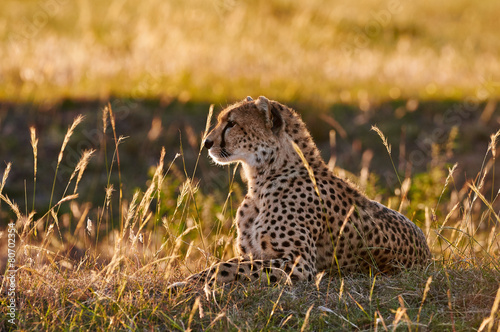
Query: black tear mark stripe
{"points": [[229, 124]]}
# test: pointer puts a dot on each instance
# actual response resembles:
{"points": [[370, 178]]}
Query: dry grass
{"points": [[101, 277]]}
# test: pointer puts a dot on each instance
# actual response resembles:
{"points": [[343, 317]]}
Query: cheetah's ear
{"points": [[274, 120], [249, 98], [263, 104]]}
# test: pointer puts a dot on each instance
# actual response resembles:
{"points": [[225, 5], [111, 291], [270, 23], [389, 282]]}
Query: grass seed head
{"points": [[81, 166], [109, 192], [493, 144], [89, 226], [132, 209], [207, 125], [34, 145], [65, 199], [383, 138], [68, 135], [105, 114], [451, 171], [5, 176], [14, 207]]}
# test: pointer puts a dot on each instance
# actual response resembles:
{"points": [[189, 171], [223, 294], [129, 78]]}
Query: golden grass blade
{"points": [[489, 321], [372, 288], [494, 310], [341, 290], [131, 210], [34, 145], [426, 290], [451, 171], [176, 248], [481, 197], [381, 320], [400, 312], [318, 279], [220, 315], [51, 227], [275, 305], [112, 118], [341, 231], [5, 176], [450, 306], [491, 239], [117, 153], [207, 124], [105, 114], [427, 224], [405, 188], [365, 166], [335, 124], [154, 186], [14, 207], [50, 212], [193, 311], [308, 167], [67, 198], [84, 215], [306, 319], [283, 323], [333, 150], [446, 219], [358, 304], [26, 221]]}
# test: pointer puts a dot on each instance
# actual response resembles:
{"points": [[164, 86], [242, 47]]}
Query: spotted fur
{"points": [[288, 227]]}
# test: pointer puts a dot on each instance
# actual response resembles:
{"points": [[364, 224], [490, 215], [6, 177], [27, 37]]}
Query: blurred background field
{"points": [[427, 73], [313, 51]]}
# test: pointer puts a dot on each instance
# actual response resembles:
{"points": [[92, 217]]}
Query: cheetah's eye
{"points": [[230, 124]]}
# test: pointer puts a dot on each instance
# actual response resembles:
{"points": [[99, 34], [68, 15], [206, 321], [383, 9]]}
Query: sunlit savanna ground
{"points": [[426, 73]]}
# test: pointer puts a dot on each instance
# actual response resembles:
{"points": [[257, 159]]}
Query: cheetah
{"points": [[298, 218]]}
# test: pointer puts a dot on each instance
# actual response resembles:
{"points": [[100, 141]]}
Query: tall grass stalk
{"points": [[68, 135], [188, 181], [306, 319], [5, 176], [117, 153], [424, 296], [388, 148], [34, 145], [188, 191], [105, 115]]}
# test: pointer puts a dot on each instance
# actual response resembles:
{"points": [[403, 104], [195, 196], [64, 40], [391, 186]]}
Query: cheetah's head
{"points": [[246, 131]]}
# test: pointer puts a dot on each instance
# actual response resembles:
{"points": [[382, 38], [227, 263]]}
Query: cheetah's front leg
{"points": [[266, 271]]}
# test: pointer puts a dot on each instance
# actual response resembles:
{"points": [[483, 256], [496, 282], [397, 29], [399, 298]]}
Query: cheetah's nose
{"points": [[208, 144]]}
